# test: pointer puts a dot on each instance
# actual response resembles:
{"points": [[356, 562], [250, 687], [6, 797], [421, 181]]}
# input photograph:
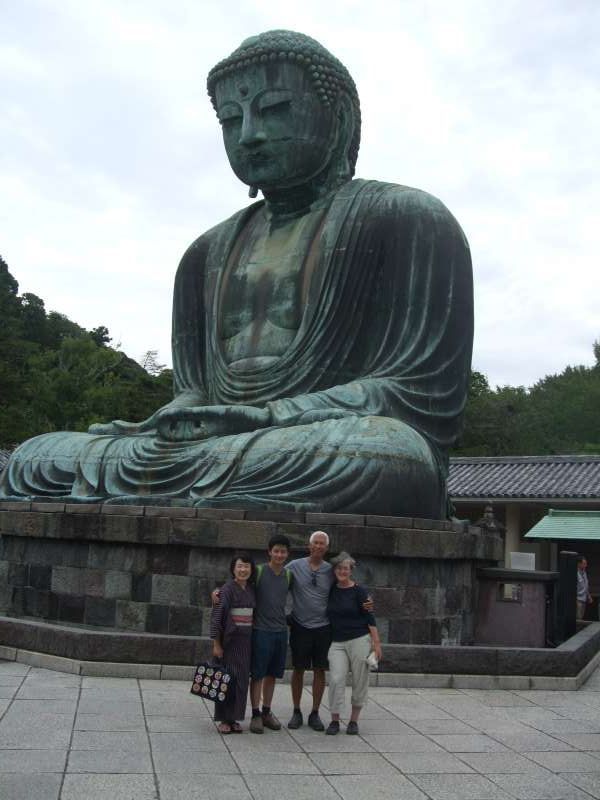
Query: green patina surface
{"points": [[567, 525], [321, 337]]}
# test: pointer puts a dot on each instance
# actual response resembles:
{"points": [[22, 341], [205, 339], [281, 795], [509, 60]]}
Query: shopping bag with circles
{"points": [[213, 682]]}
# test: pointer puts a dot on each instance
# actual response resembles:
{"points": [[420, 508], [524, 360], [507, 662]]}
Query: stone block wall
{"points": [[152, 570]]}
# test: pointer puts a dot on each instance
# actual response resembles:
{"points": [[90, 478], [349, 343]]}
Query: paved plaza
{"points": [[73, 738]]}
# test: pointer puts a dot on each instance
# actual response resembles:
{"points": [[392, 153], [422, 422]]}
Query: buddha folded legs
{"points": [[321, 337], [363, 464]]}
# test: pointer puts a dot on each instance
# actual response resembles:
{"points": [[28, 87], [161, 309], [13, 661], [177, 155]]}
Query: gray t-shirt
{"points": [[310, 592], [271, 595]]}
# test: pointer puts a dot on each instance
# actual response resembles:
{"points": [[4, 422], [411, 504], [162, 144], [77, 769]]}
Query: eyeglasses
{"points": [[313, 578]]}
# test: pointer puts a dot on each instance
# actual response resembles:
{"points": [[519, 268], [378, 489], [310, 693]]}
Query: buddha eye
{"points": [[275, 108], [229, 114], [274, 102]]}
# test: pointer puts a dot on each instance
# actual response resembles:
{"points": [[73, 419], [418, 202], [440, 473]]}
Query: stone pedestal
{"points": [[151, 569]]}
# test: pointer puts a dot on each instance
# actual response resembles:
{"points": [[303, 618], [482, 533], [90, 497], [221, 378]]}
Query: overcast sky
{"points": [[111, 160]]}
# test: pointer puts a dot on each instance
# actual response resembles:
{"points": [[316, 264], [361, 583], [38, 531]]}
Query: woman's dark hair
{"points": [[247, 559]]}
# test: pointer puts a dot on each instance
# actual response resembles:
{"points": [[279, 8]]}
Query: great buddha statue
{"points": [[321, 336]]}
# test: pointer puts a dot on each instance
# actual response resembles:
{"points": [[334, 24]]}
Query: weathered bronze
{"points": [[321, 337]]}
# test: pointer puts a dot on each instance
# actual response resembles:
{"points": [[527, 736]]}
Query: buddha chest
{"points": [[263, 291]]}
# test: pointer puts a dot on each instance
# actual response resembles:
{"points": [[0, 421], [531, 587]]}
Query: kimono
{"points": [[231, 623]]}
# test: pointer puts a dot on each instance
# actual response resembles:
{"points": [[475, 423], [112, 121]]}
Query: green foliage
{"points": [[560, 414], [55, 375]]}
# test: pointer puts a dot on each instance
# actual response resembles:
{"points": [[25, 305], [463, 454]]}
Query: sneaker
{"points": [[333, 728], [256, 725], [352, 728], [270, 721], [296, 720], [314, 721]]}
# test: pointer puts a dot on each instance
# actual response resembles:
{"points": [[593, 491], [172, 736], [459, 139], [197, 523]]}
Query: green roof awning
{"points": [[567, 525]]}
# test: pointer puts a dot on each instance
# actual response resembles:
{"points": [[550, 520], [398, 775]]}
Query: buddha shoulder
{"points": [[394, 204]]}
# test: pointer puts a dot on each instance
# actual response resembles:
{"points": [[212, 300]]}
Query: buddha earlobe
{"points": [[253, 191]]}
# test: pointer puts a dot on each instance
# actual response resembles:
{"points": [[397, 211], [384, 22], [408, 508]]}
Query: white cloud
{"points": [[111, 164]]}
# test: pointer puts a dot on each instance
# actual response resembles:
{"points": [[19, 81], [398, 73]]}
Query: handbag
{"points": [[213, 682]]}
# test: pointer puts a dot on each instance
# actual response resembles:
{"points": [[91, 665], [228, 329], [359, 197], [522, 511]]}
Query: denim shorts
{"points": [[269, 650]]}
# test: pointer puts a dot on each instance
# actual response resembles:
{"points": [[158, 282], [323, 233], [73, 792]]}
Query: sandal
{"points": [[236, 727], [224, 728]]}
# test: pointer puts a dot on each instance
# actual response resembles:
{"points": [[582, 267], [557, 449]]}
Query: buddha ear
{"points": [[345, 131]]}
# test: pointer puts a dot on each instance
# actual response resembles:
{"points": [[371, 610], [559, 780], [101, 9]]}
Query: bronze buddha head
{"points": [[289, 111]]}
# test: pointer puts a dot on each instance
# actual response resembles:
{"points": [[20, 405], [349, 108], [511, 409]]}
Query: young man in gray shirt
{"points": [[269, 633]]}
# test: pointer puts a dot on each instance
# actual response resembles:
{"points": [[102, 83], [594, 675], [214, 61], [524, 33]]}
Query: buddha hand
{"points": [[203, 422]]}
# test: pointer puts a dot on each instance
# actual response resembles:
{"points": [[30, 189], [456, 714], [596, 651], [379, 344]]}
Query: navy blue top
{"points": [[348, 618]]}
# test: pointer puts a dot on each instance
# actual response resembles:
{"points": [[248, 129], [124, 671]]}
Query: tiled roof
{"points": [[577, 525], [539, 477]]}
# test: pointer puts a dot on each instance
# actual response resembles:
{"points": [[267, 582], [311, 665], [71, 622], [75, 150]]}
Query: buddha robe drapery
{"points": [[384, 344]]}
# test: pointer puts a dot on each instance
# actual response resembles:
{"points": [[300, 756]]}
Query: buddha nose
{"points": [[252, 132]]}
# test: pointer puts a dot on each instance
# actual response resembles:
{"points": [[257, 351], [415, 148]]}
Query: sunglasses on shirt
{"points": [[313, 578]]}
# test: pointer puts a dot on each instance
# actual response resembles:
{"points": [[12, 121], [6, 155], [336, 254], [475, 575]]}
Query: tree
{"points": [[101, 336], [149, 362]]}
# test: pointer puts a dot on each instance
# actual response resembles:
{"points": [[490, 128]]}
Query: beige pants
{"points": [[581, 607], [345, 657]]}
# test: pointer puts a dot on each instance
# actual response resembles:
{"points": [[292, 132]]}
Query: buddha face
{"points": [[277, 133]]}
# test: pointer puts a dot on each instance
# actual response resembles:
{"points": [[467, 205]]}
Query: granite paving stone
{"points": [[459, 787], [311, 742], [32, 761], [207, 762], [294, 787], [538, 787], [401, 743], [588, 781], [271, 763], [42, 786], [378, 787], [202, 787], [170, 724], [496, 697], [108, 787], [40, 690], [203, 739], [125, 721], [580, 741], [110, 740], [109, 761], [357, 764], [500, 762], [428, 763], [566, 762], [429, 726], [11, 680], [129, 739], [468, 742], [280, 741], [34, 707], [562, 725], [589, 713], [95, 705], [535, 740]]}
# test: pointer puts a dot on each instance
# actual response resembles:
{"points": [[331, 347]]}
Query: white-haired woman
{"points": [[354, 635]]}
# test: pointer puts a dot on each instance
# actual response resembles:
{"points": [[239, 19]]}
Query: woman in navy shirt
{"points": [[354, 635]]}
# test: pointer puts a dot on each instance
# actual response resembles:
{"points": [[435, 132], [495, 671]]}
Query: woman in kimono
{"points": [[231, 632]]}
